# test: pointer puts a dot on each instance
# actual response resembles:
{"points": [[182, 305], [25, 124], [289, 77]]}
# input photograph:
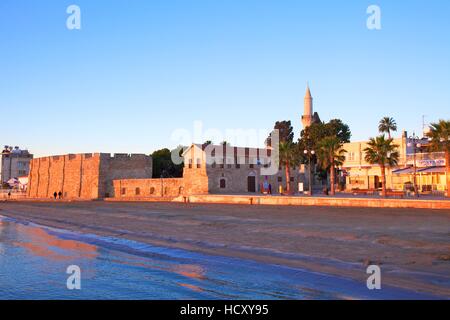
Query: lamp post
{"points": [[310, 153], [415, 144]]}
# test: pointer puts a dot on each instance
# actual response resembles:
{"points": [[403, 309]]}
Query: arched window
{"points": [[223, 184], [138, 191]]}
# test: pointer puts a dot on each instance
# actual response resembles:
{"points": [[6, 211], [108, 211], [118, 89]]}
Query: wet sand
{"points": [[412, 246]]}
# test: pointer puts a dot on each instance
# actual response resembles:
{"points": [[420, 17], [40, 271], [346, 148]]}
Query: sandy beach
{"points": [[412, 246]]}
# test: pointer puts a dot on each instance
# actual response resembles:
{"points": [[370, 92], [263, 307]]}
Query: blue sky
{"points": [[138, 70]]}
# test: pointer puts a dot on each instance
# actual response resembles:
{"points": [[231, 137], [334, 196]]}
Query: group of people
{"points": [[57, 195]]}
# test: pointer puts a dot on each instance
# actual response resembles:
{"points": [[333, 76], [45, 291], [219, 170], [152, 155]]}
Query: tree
{"points": [[439, 135], [311, 136], [163, 165], [383, 152], [336, 127], [289, 156], [387, 125], [286, 132], [331, 154]]}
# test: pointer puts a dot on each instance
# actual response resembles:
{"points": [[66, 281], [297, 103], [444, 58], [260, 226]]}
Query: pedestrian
{"points": [[270, 188], [60, 195], [9, 194], [55, 194]]}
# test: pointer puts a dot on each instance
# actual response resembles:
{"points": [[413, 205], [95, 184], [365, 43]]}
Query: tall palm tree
{"points": [[289, 157], [387, 125], [331, 155], [383, 152], [439, 135]]}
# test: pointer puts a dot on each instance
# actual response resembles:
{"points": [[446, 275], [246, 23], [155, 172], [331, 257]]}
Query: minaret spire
{"points": [[307, 117]]}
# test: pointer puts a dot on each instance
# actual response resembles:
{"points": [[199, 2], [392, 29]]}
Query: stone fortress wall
{"points": [[84, 176]]}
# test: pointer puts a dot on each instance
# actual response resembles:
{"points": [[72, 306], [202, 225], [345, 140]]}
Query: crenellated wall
{"points": [[122, 166], [84, 176]]}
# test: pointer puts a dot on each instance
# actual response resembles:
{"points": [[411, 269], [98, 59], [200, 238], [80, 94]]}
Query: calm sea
{"points": [[34, 260]]}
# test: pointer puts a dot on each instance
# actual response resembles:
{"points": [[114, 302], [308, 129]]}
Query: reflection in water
{"points": [[34, 259], [40, 243], [190, 271]]}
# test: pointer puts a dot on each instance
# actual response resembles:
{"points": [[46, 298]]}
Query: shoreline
{"points": [[218, 230]]}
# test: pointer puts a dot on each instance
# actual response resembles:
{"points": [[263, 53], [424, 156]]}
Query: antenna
{"points": [[423, 122]]}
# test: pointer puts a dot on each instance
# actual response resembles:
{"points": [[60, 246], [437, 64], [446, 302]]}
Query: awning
{"points": [[408, 170], [433, 170]]}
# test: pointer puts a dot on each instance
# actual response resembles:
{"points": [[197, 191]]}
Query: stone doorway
{"points": [[251, 184]]}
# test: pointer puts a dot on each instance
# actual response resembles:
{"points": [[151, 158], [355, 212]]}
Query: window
{"points": [[238, 166], [190, 163], [198, 163], [222, 184], [123, 191], [221, 166], [251, 166], [292, 179], [229, 166], [280, 179], [138, 191], [213, 165], [351, 156], [152, 190]]}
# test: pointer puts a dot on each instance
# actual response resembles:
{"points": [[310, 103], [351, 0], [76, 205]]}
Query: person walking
{"points": [[55, 195], [60, 195]]}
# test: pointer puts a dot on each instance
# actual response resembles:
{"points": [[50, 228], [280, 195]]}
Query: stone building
{"points": [[237, 170], [216, 169], [84, 176], [15, 163]]}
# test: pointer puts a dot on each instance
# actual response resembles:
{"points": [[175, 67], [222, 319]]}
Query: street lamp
{"points": [[310, 154], [415, 144]]}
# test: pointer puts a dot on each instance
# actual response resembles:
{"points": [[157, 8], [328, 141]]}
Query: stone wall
{"points": [[122, 166], [75, 175], [147, 188], [84, 176]]}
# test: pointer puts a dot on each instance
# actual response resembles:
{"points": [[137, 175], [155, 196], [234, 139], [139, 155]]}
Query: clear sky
{"points": [[139, 70]]}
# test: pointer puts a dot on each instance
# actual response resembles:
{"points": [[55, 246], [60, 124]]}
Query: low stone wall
{"points": [[134, 189], [331, 202]]}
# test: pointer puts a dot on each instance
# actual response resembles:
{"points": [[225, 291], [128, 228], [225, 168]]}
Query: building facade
{"points": [[15, 163], [429, 168]]}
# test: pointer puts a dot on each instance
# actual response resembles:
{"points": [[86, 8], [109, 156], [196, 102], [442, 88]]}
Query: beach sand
{"points": [[412, 246]]}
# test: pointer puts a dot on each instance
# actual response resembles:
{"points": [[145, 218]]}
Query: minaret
{"points": [[307, 117]]}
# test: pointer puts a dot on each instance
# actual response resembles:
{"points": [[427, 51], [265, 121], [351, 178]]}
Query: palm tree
{"points": [[439, 135], [289, 157], [331, 155], [387, 125], [383, 152]]}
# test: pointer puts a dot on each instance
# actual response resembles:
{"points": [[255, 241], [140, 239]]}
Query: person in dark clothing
{"points": [[60, 195], [270, 188], [55, 195]]}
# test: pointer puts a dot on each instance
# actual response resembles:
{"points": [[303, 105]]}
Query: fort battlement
{"points": [[86, 175]]}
